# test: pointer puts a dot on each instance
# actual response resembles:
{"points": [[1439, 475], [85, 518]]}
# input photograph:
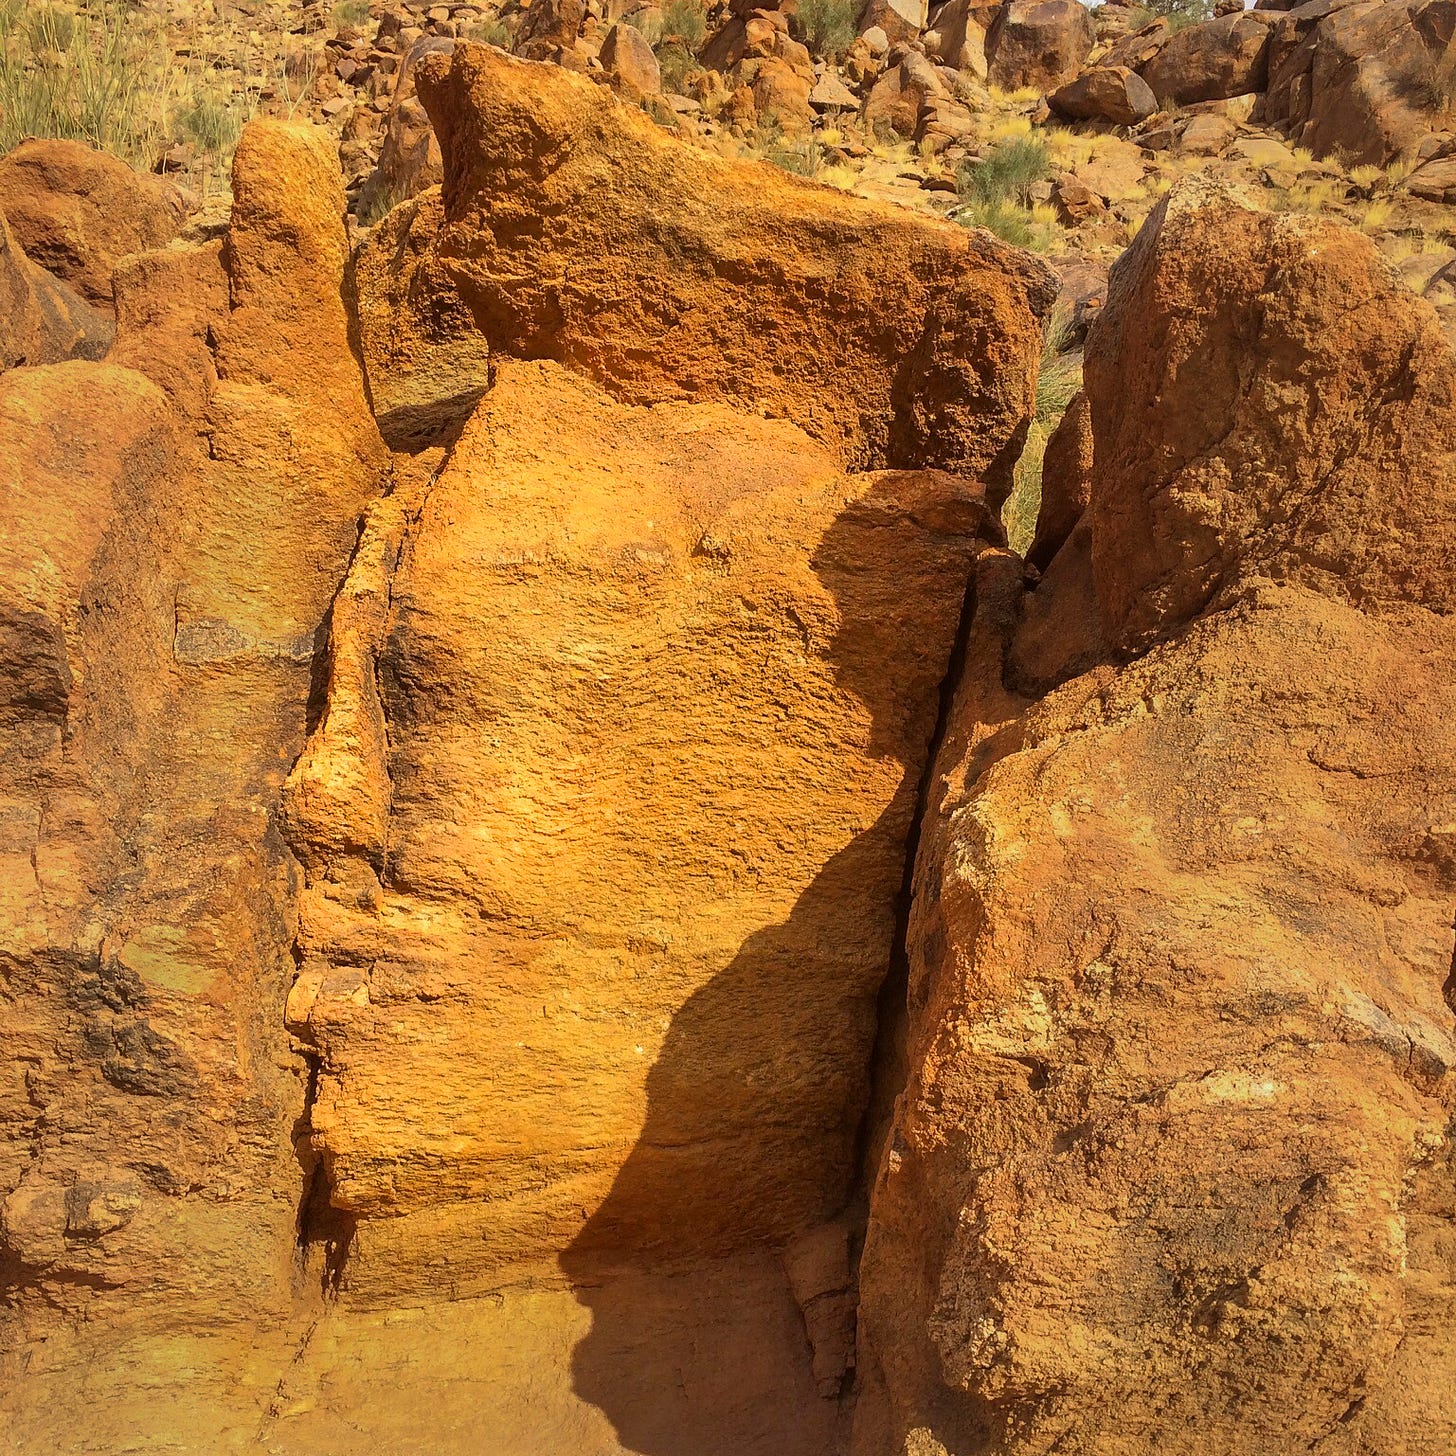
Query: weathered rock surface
{"points": [[1295, 325], [1172, 1169], [177, 520], [409, 155], [1213, 60], [1105, 93], [663, 273], [76, 212], [898, 19], [629, 61], [1364, 80], [674, 658], [1038, 43], [42, 321], [961, 28], [1066, 482]]}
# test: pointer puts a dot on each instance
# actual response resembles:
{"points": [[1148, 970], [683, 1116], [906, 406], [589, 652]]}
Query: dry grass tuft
{"points": [[1058, 380]]}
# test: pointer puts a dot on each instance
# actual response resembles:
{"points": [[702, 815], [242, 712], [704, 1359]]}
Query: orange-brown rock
{"points": [[76, 211], [177, 520], [1231, 376], [409, 155], [670, 657], [1038, 43], [42, 321], [1105, 93], [1213, 60], [1066, 482], [629, 60], [1172, 1168], [1366, 80], [570, 227], [900, 95]]}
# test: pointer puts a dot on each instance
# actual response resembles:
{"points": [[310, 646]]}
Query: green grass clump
{"points": [[828, 26], [686, 22], [1006, 174], [101, 76], [996, 192], [1180, 13], [682, 24], [351, 13]]}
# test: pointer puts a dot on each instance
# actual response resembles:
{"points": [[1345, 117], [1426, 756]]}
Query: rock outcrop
{"points": [[1105, 93], [1038, 43], [1171, 1171], [1295, 326], [42, 321], [1366, 80], [177, 520], [77, 212], [664, 275], [635, 922], [1212, 61], [673, 658]]}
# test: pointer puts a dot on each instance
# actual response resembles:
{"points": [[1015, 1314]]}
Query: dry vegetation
{"points": [[145, 86], [1059, 379]]}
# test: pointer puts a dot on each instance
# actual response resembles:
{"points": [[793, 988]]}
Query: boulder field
{"points": [[565, 891]]}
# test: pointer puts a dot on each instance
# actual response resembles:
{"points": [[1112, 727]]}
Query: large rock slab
{"points": [[1038, 43], [1213, 60], [1171, 1171], [42, 320], [571, 228], [614, 778], [1105, 93], [1364, 80]]}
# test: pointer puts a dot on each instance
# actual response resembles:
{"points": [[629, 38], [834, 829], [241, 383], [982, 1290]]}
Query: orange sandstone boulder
{"points": [[1213, 60], [1366, 80], [1040, 43], [77, 212], [1233, 376], [604, 824], [1172, 1169], [177, 521], [571, 228], [1066, 482], [42, 321]]}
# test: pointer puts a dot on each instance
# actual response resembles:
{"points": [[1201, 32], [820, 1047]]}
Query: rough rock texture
{"points": [[409, 155], [674, 658], [1066, 482], [1171, 1171], [76, 212], [176, 523], [1038, 43], [629, 61], [571, 228], [1105, 93], [1230, 377], [1211, 61], [898, 19], [1365, 80], [960, 26], [900, 95], [42, 321]]}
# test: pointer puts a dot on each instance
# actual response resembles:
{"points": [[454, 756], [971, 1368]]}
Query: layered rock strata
{"points": [[177, 522]]}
